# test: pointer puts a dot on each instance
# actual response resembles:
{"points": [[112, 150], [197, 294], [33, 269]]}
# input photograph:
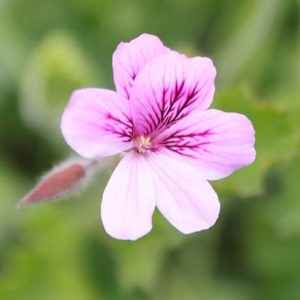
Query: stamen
{"points": [[143, 144]]}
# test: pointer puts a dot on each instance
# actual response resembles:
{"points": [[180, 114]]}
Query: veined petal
{"points": [[220, 142], [129, 199], [97, 123], [184, 197], [130, 58], [168, 88]]}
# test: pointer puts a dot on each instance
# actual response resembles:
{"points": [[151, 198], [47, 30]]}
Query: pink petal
{"points": [[169, 88], [220, 142], [130, 58], [184, 197], [129, 199], [97, 123]]}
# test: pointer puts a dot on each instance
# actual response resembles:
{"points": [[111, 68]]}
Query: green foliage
{"points": [[59, 250], [56, 60], [276, 138]]}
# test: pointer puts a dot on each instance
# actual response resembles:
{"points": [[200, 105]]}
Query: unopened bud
{"points": [[60, 182]]}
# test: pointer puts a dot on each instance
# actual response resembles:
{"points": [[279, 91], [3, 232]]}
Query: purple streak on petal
{"points": [[218, 142], [97, 123], [123, 129], [181, 140], [172, 113], [168, 89]]}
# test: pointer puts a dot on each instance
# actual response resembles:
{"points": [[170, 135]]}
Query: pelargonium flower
{"points": [[172, 144]]}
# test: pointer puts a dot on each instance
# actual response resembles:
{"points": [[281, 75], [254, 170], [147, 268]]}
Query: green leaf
{"points": [[269, 234], [140, 261], [56, 68], [284, 214], [276, 139]]}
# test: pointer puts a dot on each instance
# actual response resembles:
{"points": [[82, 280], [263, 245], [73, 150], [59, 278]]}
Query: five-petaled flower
{"points": [[171, 142]]}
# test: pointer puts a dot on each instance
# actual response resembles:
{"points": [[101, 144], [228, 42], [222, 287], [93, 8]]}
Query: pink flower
{"points": [[171, 142]]}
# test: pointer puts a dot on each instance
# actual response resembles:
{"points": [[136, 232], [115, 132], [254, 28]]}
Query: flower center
{"points": [[143, 144]]}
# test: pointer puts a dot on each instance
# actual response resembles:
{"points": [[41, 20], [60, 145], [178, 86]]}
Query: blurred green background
{"points": [[59, 250]]}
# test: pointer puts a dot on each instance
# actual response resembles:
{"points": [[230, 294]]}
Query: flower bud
{"points": [[60, 182]]}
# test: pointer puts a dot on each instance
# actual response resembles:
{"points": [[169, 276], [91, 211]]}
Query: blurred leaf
{"points": [[271, 250], [189, 270], [254, 253], [100, 266], [57, 67], [276, 139], [25, 149], [47, 252], [11, 187], [140, 261], [284, 214], [289, 99], [246, 41], [12, 50]]}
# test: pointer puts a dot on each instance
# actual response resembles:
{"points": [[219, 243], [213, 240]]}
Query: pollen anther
{"points": [[143, 144]]}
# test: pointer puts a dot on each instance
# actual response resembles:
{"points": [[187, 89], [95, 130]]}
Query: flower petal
{"points": [[130, 58], [184, 197], [168, 88], [220, 142], [129, 199], [96, 123]]}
